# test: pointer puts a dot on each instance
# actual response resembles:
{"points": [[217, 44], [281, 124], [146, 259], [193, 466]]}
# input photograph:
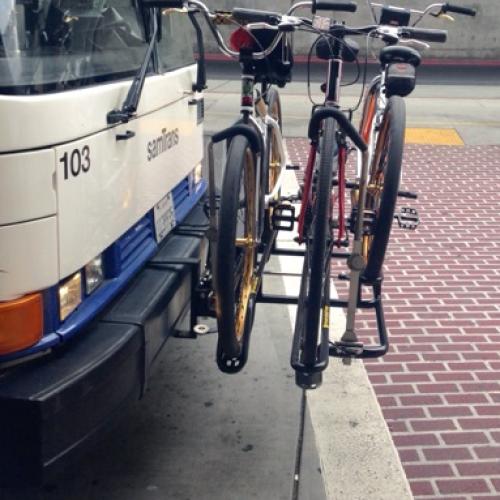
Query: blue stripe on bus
{"points": [[95, 303], [185, 207]]}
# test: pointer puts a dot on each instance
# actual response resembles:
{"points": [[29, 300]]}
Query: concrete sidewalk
{"points": [[473, 111]]}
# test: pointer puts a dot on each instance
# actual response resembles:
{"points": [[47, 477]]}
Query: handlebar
{"points": [[433, 9], [334, 6], [466, 11], [392, 33], [245, 16], [426, 35], [285, 23], [165, 4]]}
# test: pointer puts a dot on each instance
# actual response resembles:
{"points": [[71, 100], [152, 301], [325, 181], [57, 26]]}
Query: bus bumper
{"points": [[52, 409]]}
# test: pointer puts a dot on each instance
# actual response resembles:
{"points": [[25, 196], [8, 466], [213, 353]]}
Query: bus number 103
{"points": [[76, 162]]}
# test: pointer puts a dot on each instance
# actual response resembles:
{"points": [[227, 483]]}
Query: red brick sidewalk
{"points": [[439, 385]]}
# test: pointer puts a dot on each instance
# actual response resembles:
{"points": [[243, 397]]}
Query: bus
{"points": [[102, 226]]}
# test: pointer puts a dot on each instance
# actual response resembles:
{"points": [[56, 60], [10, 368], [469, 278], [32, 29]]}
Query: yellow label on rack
{"points": [[326, 317], [433, 136]]}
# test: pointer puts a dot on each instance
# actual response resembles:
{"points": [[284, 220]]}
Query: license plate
{"points": [[164, 215]]}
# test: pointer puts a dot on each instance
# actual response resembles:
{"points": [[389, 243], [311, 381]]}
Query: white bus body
{"points": [[84, 204]]}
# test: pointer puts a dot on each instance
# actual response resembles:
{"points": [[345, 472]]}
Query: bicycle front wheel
{"points": [[383, 186], [236, 251], [314, 290]]}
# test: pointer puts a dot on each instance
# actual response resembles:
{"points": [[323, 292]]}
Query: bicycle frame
{"points": [[253, 113], [332, 99]]}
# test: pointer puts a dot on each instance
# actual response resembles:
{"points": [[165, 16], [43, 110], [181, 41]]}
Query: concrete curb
{"points": [[358, 457]]}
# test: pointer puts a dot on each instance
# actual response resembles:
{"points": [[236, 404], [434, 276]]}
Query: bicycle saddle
{"points": [[400, 54]]}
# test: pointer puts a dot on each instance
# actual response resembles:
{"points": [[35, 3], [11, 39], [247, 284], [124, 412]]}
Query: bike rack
{"points": [[337, 349], [306, 376]]}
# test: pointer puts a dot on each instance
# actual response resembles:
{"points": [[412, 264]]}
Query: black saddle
{"points": [[400, 54]]}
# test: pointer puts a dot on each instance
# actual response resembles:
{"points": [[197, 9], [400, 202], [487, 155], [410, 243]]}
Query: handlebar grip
{"points": [[166, 4], [337, 6], [246, 16], [426, 35], [466, 11]]}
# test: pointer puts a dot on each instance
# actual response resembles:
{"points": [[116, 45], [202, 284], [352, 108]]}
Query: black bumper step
{"points": [[52, 409]]}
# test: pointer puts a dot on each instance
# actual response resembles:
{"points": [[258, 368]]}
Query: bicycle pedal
{"points": [[407, 218], [344, 277], [341, 349], [292, 167], [283, 218]]}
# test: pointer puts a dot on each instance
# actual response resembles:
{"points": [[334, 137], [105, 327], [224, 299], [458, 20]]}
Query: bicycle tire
{"points": [[317, 255], [236, 250], [384, 185]]}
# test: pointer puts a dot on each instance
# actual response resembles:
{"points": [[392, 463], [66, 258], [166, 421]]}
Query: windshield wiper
{"points": [[129, 107]]}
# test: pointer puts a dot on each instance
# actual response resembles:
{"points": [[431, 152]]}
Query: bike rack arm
{"points": [[254, 139], [321, 113]]}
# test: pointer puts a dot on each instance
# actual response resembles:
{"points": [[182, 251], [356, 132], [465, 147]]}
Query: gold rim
{"points": [[248, 245], [274, 157], [375, 185]]}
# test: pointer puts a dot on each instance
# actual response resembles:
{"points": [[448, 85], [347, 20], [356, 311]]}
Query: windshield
{"points": [[52, 45]]}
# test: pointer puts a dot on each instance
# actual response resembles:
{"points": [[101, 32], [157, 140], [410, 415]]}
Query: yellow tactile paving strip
{"points": [[434, 136]]}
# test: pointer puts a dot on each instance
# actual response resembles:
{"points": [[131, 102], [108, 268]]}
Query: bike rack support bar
{"points": [[251, 135], [321, 113], [265, 298], [277, 299], [290, 252], [212, 217]]}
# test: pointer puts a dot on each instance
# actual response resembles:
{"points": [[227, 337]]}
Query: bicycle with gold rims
{"points": [[243, 213]]}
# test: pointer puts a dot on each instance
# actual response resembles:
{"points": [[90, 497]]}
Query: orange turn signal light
{"points": [[21, 323]]}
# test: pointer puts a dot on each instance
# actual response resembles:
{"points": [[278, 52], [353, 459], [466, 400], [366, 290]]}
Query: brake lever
{"points": [[442, 15], [446, 17]]}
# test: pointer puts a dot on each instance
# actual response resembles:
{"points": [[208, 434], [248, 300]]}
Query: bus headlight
{"points": [[70, 295], [93, 274], [197, 174]]}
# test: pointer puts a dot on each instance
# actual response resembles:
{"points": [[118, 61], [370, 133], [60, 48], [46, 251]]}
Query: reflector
{"points": [[241, 39], [21, 323]]}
